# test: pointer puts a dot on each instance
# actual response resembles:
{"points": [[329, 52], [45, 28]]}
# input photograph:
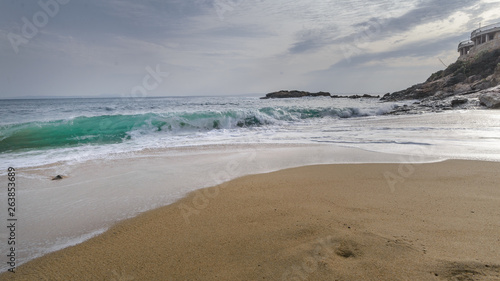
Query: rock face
{"points": [[491, 98], [466, 76], [294, 94]]}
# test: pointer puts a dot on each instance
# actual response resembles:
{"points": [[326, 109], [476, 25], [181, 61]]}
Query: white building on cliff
{"points": [[484, 38]]}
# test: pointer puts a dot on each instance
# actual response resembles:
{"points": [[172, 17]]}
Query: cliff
{"points": [[467, 75]]}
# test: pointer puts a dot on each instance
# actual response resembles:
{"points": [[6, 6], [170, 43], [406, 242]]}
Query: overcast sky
{"points": [[227, 47]]}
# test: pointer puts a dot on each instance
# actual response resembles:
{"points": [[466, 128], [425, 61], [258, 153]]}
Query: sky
{"points": [[132, 48]]}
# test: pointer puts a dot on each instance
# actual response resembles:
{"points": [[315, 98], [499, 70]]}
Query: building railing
{"points": [[465, 43], [484, 29]]}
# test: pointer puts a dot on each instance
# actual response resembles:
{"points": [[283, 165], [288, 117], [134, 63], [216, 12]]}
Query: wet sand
{"points": [[436, 221]]}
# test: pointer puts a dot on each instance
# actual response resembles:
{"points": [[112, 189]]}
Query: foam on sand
{"points": [[311, 223]]}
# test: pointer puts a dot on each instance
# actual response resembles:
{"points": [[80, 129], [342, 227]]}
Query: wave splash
{"points": [[109, 129]]}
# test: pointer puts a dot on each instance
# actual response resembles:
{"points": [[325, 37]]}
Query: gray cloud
{"points": [[236, 30], [313, 39], [97, 46], [418, 50], [425, 12]]}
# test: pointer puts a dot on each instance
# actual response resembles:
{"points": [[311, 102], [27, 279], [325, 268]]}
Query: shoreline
{"points": [[240, 212], [342, 132], [111, 190]]}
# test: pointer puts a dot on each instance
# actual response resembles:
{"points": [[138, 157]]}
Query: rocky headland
{"points": [[473, 81]]}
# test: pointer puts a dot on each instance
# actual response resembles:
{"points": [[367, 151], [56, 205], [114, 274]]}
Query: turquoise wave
{"points": [[109, 129]]}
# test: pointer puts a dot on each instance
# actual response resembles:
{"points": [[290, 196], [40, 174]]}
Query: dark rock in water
{"points": [[491, 98], [355, 97], [294, 94], [58, 177], [299, 94], [458, 102]]}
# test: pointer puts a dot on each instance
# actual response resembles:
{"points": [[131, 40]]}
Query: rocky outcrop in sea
{"points": [[294, 94], [299, 94]]}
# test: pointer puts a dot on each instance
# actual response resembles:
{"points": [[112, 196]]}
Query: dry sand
{"points": [[438, 221]]}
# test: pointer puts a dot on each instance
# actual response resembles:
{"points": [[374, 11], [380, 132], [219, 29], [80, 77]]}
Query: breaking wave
{"points": [[108, 129]]}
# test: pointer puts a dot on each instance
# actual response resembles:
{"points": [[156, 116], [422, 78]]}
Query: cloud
{"points": [[98, 46], [235, 31], [425, 12], [382, 30], [385, 25], [313, 39], [419, 50]]}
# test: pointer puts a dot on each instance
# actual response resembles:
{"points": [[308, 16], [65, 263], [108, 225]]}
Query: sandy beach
{"points": [[250, 140], [434, 221]]}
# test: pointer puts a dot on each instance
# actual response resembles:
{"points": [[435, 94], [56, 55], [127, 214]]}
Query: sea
{"points": [[119, 157]]}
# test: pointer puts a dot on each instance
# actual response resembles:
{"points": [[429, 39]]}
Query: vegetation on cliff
{"points": [[483, 65]]}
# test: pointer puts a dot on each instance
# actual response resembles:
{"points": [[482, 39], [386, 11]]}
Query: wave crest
{"points": [[108, 129]]}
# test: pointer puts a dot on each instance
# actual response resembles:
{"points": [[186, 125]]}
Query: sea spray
{"points": [[109, 129]]}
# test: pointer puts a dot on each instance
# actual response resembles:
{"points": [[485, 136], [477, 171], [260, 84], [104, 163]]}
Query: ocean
{"points": [[45, 131], [122, 156], [38, 132]]}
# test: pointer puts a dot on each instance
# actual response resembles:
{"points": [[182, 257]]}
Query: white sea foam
{"points": [[33, 251], [95, 194]]}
